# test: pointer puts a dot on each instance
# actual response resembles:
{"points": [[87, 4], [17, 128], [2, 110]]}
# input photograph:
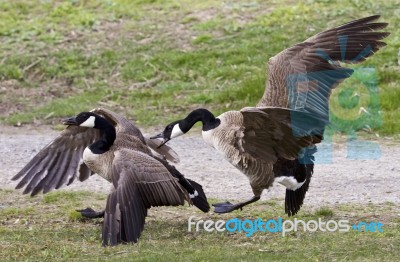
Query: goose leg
{"points": [[90, 213], [227, 207]]}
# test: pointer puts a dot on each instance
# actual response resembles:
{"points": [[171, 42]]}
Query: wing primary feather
{"points": [[41, 174], [72, 169], [30, 170], [52, 171], [56, 174]]}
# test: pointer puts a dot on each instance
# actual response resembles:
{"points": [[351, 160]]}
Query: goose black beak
{"points": [[70, 121], [160, 135]]}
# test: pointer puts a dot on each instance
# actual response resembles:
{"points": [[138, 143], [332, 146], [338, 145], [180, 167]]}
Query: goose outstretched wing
{"points": [[301, 77], [59, 163], [140, 182]]}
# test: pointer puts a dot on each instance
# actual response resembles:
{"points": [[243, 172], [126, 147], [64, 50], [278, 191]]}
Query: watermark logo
{"points": [[354, 106], [279, 225]]}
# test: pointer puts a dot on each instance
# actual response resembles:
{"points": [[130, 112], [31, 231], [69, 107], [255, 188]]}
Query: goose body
{"points": [[105, 143], [275, 140], [123, 140], [224, 139]]}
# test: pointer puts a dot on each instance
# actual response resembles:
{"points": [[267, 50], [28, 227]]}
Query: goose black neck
{"points": [[107, 140], [206, 117]]}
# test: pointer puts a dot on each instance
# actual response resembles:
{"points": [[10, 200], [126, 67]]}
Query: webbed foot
{"points": [[90, 213], [225, 207]]}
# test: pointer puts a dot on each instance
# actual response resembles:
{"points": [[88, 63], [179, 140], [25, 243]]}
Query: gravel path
{"points": [[342, 181]]}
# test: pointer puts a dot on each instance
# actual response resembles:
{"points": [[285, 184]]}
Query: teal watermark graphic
{"points": [[354, 106], [279, 225]]}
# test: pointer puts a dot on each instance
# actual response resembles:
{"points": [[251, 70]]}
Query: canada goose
{"points": [[274, 141], [105, 143]]}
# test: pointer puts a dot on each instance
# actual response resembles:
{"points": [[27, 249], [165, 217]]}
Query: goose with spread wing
{"points": [[103, 142], [275, 141]]}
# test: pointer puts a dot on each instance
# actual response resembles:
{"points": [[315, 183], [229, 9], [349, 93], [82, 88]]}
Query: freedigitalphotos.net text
{"points": [[249, 227]]}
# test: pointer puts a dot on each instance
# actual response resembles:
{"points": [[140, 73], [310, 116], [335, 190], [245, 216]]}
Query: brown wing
{"points": [[140, 182], [59, 163], [302, 76], [272, 133]]}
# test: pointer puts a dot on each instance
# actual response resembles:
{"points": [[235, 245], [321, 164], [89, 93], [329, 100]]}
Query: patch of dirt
{"points": [[342, 181], [15, 98]]}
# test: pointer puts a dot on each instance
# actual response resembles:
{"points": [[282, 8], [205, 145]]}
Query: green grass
{"points": [[61, 57], [47, 228]]}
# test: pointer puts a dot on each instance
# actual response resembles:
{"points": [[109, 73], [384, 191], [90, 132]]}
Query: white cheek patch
{"points": [[89, 122], [195, 194], [176, 131], [289, 182]]}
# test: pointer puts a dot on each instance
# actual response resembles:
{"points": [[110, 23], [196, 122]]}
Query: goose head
{"points": [[180, 127], [92, 120], [174, 129], [84, 119], [87, 119]]}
